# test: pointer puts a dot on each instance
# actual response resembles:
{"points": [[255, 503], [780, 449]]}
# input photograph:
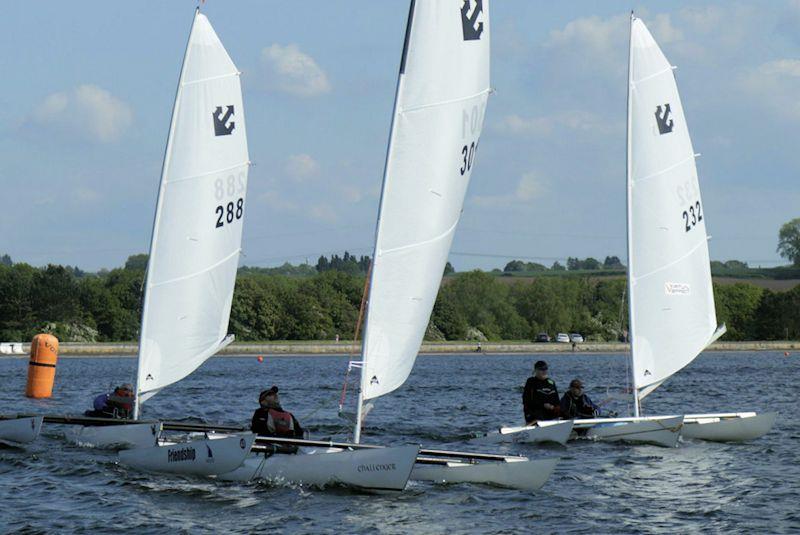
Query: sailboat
{"points": [[671, 298], [440, 101], [442, 91], [194, 255]]}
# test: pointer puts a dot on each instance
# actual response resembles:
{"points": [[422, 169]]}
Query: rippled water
{"points": [[597, 488]]}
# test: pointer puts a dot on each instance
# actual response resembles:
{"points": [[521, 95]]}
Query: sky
{"points": [[88, 89]]}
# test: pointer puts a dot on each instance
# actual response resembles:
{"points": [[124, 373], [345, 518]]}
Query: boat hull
{"points": [[377, 470], [115, 436], [203, 457], [521, 474], [728, 427], [19, 431], [655, 430], [555, 431]]}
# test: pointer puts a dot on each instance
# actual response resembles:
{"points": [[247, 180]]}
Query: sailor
{"points": [[271, 420], [575, 404], [118, 404], [540, 397]]}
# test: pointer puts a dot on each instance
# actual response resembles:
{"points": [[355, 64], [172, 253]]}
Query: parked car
{"points": [[563, 338], [576, 338], [542, 337]]}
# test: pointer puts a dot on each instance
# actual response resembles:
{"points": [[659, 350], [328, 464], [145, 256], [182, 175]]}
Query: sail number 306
{"points": [[692, 216]]}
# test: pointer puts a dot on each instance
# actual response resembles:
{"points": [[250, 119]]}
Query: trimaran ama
{"points": [[441, 96], [671, 300]]}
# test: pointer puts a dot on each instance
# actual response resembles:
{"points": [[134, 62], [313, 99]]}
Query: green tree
{"points": [[137, 261], [789, 241], [737, 306]]}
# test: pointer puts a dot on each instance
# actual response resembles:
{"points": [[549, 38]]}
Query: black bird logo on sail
{"points": [[664, 120], [221, 125], [374, 380], [469, 21]]}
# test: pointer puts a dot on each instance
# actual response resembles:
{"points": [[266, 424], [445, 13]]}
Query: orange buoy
{"points": [[260, 358], [42, 366]]}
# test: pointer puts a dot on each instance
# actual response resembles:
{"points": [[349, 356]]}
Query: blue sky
{"points": [[89, 86]]}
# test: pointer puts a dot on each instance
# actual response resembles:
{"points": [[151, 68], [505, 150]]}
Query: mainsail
{"points": [[197, 231], [672, 316], [442, 90]]}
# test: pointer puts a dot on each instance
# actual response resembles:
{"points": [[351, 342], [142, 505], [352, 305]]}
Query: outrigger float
{"points": [[16, 431]]}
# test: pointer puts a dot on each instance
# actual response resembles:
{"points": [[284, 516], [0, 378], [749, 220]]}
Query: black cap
{"points": [[540, 365], [265, 393]]}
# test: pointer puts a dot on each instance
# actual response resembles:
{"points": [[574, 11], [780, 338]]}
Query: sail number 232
{"points": [[231, 188], [692, 216]]}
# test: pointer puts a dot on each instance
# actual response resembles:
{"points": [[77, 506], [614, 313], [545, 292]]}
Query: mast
{"points": [[629, 200], [360, 406], [157, 219]]}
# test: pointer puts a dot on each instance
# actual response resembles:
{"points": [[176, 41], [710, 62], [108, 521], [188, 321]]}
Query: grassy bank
{"points": [[274, 348]]}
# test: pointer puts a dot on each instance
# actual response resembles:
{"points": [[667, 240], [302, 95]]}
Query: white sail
{"points": [[441, 98], [671, 297], [197, 231]]}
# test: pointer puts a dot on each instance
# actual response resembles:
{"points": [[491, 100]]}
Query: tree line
{"points": [[475, 305]]}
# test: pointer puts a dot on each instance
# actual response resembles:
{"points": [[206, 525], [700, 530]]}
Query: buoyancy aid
{"points": [[280, 423]]}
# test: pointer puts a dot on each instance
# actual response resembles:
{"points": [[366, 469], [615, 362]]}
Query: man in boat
{"points": [[575, 404], [540, 397], [271, 420], [118, 404]]}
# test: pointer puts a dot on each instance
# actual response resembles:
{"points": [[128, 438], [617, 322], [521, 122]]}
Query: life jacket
{"points": [[100, 402], [280, 423]]}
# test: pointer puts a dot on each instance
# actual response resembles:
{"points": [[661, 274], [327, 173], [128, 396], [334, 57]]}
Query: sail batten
{"points": [[196, 241], [671, 297], [442, 91]]}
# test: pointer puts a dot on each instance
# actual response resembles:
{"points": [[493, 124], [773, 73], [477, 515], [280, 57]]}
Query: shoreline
{"points": [[325, 348]]}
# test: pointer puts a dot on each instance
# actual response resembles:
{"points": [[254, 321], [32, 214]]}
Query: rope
{"points": [[351, 354]]}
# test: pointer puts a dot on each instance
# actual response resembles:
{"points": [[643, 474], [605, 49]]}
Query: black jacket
{"points": [[260, 423], [538, 392], [581, 407]]}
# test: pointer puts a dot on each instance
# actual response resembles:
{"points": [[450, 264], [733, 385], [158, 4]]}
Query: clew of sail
{"points": [[197, 232], [441, 98], [671, 297]]}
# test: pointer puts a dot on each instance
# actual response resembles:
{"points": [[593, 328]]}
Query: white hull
{"points": [[115, 436], [728, 427], [204, 457], [20, 430], [555, 431], [522, 474], [655, 430], [379, 470]]}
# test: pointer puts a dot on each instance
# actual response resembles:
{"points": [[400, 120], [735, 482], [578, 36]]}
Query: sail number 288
{"points": [[692, 216], [230, 187]]}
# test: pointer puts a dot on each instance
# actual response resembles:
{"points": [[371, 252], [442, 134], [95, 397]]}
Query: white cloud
{"points": [[301, 166], [87, 195], [277, 202], [352, 194], [775, 85], [293, 71], [87, 111], [529, 187]]}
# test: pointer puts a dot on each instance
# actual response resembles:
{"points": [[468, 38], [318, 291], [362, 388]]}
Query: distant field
{"points": [[776, 285]]}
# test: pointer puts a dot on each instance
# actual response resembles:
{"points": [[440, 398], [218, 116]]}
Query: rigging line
{"points": [[197, 273], [674, 262], [444, 102], [351, 353]]}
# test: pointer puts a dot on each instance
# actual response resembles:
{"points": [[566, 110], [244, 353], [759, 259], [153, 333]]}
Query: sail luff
{"points": [[629, 226], [157, 219], [398, 86]]}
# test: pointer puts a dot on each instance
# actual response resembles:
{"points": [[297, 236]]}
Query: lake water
{"points": [[597, 488]]}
